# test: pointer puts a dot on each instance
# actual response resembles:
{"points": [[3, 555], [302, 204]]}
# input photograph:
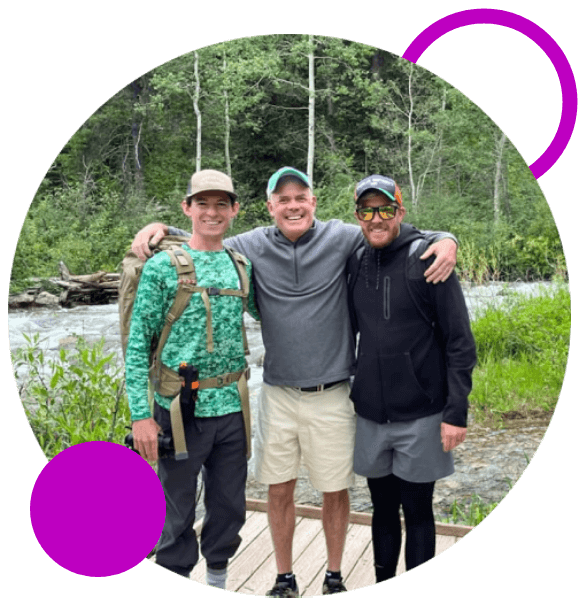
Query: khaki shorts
{"points": [[317, 427]]}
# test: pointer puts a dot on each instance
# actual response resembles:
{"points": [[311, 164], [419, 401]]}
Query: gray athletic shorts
{"points": [[411, 450]]}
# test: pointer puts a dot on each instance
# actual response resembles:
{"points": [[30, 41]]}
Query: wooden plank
{"points": [[442, 542], [455, 530], [257, 505], [309, 511], [260, 580], [253, 569], [357, 539], [307, 530], [251, 559], [311, 564], [363, 572], [263, 576], [252, 527]]}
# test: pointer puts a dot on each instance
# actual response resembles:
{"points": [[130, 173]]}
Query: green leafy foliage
{"points": [[75, 397], [129, 163]]}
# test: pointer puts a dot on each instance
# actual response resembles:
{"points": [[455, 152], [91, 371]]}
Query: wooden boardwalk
{"points": [[253, 569]]}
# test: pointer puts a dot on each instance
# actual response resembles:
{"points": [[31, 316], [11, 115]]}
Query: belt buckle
{"points": [[213, 291], [320, 388], [220, 381]]}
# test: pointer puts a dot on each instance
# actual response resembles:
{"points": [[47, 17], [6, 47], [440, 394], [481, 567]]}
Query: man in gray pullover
{"points": [[304, 411]]}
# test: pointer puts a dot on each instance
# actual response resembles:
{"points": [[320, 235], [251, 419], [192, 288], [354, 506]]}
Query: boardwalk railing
{"points": [[307, 511]]}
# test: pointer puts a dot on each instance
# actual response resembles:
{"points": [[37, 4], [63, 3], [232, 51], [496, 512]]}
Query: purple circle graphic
{"points": [[97, 509], [542, 39]]}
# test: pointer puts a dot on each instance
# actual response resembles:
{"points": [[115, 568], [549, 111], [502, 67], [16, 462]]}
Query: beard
{"points": [[378, 236]]}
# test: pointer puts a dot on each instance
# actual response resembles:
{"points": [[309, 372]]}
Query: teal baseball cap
{"points": [[286, 171]]}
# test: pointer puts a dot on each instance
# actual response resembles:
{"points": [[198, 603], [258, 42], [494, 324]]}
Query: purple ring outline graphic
{"points": [[542, 39]]}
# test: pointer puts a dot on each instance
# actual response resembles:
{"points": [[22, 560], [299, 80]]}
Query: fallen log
{"points": [[92, 289]]}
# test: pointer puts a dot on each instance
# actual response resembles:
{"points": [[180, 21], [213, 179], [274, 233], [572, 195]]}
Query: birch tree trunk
{"points": [[197, 112], [311, 101], [410, 141], [499, 147], [226, 120]]}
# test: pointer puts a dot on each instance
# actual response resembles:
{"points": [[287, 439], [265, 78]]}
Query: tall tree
{"points": [[311, 108], [226, 117], [196, 91], [499, 148]]}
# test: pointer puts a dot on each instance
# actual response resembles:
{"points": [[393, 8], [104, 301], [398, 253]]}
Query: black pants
{"points": [[388, 494], [216, 446]]}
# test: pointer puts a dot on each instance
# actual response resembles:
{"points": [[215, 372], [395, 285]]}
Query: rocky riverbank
{"points": [[490, 460]]}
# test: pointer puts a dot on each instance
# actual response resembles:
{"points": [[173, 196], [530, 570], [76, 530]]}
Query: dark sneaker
{"points": [[332, 586], [283, 589]]}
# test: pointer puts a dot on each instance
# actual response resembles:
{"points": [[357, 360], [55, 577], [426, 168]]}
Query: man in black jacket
{"points": [[415, 357]]}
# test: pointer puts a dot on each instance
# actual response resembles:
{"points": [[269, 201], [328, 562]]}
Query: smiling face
{"points": [[211, 213], [292, 206], [378, 232]]}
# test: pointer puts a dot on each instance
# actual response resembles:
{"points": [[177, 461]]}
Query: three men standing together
{"points": [[305, 409]]}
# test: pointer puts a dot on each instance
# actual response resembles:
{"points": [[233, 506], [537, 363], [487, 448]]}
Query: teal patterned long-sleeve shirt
{"points": [[188, 338]]}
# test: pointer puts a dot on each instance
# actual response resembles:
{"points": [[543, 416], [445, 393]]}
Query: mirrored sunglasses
{"points": [[386, 212]]}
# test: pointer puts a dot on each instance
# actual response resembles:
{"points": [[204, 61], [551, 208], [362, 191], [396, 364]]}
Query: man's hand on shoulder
{"points": [[445, 252], [150, 235]]}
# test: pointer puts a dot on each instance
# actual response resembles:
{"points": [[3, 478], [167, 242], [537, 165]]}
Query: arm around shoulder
{"points": [[444, 248]]}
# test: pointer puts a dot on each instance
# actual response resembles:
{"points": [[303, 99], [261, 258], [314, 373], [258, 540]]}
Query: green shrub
{"points": [[75, 397]]}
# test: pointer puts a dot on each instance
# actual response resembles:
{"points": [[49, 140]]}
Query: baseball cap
{"points": [[210, 180], [383, 184], [286, 171]]}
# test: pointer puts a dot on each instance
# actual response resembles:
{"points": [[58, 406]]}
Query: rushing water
{"points": [[483, 463], [58, 326]]}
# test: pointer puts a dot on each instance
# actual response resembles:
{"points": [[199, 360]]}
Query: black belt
{"points": [[320, 387]]}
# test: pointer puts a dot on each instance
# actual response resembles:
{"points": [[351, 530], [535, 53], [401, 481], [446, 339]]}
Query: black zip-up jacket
{"points": [[409, 365]]}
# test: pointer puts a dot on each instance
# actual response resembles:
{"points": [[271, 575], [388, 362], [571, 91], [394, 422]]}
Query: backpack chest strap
{"points": [[188, 286]]}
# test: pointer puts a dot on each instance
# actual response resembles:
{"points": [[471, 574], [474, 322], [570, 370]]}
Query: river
{"points": [[57, 326], [486, 463]]}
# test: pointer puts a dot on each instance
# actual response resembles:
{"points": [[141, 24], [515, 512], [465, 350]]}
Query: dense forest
{"points": [[334, 108]]}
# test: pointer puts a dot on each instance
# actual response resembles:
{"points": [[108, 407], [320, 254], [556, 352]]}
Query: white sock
{"points": [[216, 577]]}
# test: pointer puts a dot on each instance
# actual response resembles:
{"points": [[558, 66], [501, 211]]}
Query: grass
{"points": [[522, 349], [469, 512]]}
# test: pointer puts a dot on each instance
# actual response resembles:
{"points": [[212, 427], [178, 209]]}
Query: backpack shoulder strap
{"points": [[241, 262], [185, 269], [131, 268], [186, 281]]}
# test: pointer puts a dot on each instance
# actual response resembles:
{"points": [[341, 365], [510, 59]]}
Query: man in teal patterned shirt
{"points": [[215, 437]]}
